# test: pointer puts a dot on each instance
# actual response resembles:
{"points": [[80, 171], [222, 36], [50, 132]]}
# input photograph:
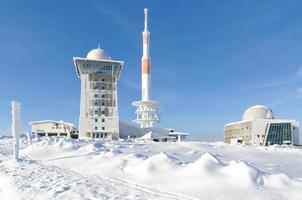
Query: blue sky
{"points": [[210, 59]]}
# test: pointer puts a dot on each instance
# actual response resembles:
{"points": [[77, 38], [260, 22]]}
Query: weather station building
{"points": [[99, 75], [259, 126], [53, 128]]}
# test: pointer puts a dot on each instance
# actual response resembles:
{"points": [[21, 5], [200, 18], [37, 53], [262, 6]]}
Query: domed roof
{"points": [[258, 112], [98, 54]]}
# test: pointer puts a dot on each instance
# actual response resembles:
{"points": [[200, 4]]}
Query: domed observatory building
{"points": [[259, 126], [98, 109]]}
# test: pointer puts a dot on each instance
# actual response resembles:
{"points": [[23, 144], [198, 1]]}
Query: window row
{"points": [[96, 120]]}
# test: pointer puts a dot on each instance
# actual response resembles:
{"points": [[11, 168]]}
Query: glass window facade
{"points": [[279, 133]]}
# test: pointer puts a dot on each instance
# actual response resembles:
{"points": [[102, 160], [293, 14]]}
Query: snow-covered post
{"points": [[28, 135], [16, 124]]}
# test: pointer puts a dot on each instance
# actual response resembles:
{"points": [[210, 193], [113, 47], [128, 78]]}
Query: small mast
{"points": [[146, 19], [146, 62]]}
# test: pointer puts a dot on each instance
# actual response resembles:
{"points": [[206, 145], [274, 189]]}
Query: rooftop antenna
{"points": [[99, 46], [146, 19]]}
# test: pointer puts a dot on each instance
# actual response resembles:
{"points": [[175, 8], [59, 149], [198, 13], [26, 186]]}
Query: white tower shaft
{"points": [[16, 126], [146, 62], [146, 108]]}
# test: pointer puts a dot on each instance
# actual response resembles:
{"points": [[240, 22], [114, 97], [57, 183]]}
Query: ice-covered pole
{"points": [[16, 126], [28, 135], [146, 61], [178, 138]]}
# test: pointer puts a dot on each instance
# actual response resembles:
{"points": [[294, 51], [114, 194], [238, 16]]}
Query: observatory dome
{"points": [[258, 112], [98, 54]]}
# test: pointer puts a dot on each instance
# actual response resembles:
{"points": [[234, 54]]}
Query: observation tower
{"points": [[99, 76], [146, 109]]}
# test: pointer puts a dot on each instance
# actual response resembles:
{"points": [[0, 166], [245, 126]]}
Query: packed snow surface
{"points": [[61, 168]]}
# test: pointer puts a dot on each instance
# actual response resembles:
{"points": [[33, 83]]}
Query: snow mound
{"points": [[59, 168], [157, 164], [278, 180], [208, 159], [91, 148], [240, 172]]}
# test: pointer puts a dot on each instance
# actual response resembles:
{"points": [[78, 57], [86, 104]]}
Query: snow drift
{"points": [[157, 170]]}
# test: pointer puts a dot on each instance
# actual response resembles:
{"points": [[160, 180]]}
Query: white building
{"points": [[53, 128], [98, 109], [258, 126]]}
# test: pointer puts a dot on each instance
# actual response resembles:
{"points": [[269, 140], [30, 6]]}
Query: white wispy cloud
{"points": [[131, 84], [297, 95], [279, 83], [299, 72], [116, 18], [273, 84]]}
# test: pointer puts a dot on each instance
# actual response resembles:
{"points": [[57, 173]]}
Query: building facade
{"points": [[53, 128], [98, 107], [258, 126]]}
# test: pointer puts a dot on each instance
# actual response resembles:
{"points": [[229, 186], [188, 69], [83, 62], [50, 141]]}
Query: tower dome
{"points": [[98, 54], [258, 112]]}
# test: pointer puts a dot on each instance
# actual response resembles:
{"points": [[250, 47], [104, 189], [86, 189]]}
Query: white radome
{"points": [[258, 112], [98, 54]]}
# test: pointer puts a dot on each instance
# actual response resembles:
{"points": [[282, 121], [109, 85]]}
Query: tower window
{"points": [[103, 120], [95, 128], [103, 79], [103, 103], [95, 120], [96, 96], [103, 112], [103, 96], [103, 128]]}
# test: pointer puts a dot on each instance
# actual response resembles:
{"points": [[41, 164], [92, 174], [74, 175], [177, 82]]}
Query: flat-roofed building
{"points": [[53, 128], [259, 126]]}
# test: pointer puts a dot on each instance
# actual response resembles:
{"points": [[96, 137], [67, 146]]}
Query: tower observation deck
{"points": [[146, 109]]}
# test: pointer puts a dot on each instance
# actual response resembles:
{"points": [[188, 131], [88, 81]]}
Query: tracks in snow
{"points": [[115, 184], [146, 188], [110, 188]]}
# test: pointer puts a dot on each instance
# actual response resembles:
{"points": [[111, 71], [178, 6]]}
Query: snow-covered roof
{"points": [[263, 120], [52, 121], [134, 130], [151, 135], [178, 133]]}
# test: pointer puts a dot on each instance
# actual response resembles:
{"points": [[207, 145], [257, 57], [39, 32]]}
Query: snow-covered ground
{"points": [[60, 168]]}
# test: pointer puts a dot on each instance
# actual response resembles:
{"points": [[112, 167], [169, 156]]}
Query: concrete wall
{"points": [[241, 130], [259, 128]]}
